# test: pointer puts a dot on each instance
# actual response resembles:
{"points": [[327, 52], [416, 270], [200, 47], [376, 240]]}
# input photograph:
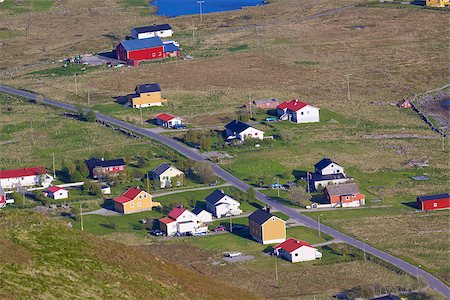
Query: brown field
{"points": [[422, 238]]}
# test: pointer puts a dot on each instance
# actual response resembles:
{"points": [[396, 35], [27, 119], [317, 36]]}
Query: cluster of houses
{"points": [[146, 44]]}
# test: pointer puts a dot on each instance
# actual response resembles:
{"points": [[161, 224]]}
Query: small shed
{"points": [[405, 103], [434, 202], [266, 103]]}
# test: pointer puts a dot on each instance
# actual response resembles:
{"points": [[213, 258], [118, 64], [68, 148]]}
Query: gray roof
{"points": [[237, 126], [148, 88], [161, 168], [342, 189], [152, 28], [260, 216], [434, 197], [323, 163], [215, 197], [264, 101], [198, 209]]}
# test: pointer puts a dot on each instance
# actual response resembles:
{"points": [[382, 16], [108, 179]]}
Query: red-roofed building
{"points": [[295, 250], [134, 200], [180, 220], [434, 202], [56, 193], [25, 177], [298, 112], [168, 121]]}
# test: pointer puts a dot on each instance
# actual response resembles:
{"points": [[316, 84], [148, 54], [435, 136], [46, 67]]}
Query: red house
{"points": [[135, 51], [344, 195], [100, 167], [434, 202]]}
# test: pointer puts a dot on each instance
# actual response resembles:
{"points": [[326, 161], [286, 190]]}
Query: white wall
{"points": [[146, 35], [8, 183], [253, 132], [224, 206], [333, 169], [204, 217], [301, 254], [61, 194], [307, 114]]}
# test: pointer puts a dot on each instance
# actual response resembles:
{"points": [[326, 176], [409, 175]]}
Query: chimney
{"points": [[268, 210]]}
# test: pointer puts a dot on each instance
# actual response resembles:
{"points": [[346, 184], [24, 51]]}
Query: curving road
{"points": [[433, 282]]}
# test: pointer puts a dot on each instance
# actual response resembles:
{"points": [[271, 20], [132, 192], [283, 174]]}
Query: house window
{"points": [[131, 205], [153, 54], [435, 204], [145, 195], [296, 254], [139, 204], [301, 113], [140, 196], [159, 53]]}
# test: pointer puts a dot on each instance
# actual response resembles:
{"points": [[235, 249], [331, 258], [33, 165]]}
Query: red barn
{"points": [[433, 202], [134, 51]]}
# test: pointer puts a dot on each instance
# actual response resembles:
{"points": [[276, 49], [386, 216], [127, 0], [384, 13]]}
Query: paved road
{"points": [[433, 282]]}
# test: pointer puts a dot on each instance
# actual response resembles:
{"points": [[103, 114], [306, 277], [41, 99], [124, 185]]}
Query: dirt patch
{"points": [[13, 254], [437, 106]]}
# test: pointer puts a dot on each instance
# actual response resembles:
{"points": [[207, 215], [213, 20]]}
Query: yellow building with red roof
{"points": [[134, 200]]}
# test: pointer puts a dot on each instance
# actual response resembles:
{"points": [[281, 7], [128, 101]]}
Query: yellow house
{"points": [[146, 95], [437, 3], [266, 228], [134, 200]]}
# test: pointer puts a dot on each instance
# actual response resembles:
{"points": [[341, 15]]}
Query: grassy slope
{"points": [[48, 260]]}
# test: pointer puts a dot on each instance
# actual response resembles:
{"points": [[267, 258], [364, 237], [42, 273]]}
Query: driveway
{"points": [[433, 282], [106, 212]]}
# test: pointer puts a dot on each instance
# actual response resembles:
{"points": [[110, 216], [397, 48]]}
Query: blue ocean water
{"points": [[173, 8]]}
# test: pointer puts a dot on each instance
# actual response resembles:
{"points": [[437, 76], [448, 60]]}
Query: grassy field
{"points": [[84, 266], [24, 6]]}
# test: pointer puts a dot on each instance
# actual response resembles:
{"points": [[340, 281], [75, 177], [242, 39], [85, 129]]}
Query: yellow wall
{"points": [[274, 229], [145, 201], [148, 98], [438, 3]]}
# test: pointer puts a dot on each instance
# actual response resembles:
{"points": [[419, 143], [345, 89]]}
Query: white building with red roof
{"points": [[25, 177], [167, 120], [295, 250], [56, 193], [181, 220], [298, 112]]}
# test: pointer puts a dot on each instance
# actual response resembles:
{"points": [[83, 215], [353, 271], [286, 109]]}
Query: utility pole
{"points": [[250, 106], [348, 85], [364, 249], [148, 184], [201, 12], [318, 223], [417, 275], [76, 84], [54, 169], [442, 132], [81, 217], [32, 132], [142, 119], [276, 270], [88, 99], [307, 181]]}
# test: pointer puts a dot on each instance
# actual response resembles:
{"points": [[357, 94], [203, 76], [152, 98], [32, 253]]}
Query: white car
{"points": [[232, 254]]}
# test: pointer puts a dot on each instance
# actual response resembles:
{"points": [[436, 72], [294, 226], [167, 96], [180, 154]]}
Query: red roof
{"points": [[54, 189], [292, 244], [293, 105], [22, 172], [176, 212], [165, 117], [166, 220], [122, 199], [132, 193]]}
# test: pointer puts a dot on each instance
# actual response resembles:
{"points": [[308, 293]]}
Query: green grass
{"points": [[24, 6], [136, 2], [6, 33], [238, 48], [70, 70], [102, 225]]}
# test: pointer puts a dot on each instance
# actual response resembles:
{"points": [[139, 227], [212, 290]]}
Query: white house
{"points": [[298, 112], [106, 189], [57, 193], [327, 172], [203, 216], [161, 30], [25, 177], [167, 120], [180, 220], [165, 173], [295, 250], [241, 131], [220, 205], [326, 167]]}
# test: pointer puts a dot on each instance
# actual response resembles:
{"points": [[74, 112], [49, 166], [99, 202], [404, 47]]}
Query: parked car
{"points": [[271, 119], [157, 232], [179, 126], [184, 233], [232, 254], [276, 186], [219, 228], [291, 184]]}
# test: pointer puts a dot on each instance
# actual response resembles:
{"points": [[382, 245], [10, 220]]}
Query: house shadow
{"points": [[242, 231], [108, 204], [412, 204], [319, 198], [108, 54], [62, 176], [122, 100], [256, 205], [299, 174], [282, 200], [272, 112]]}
